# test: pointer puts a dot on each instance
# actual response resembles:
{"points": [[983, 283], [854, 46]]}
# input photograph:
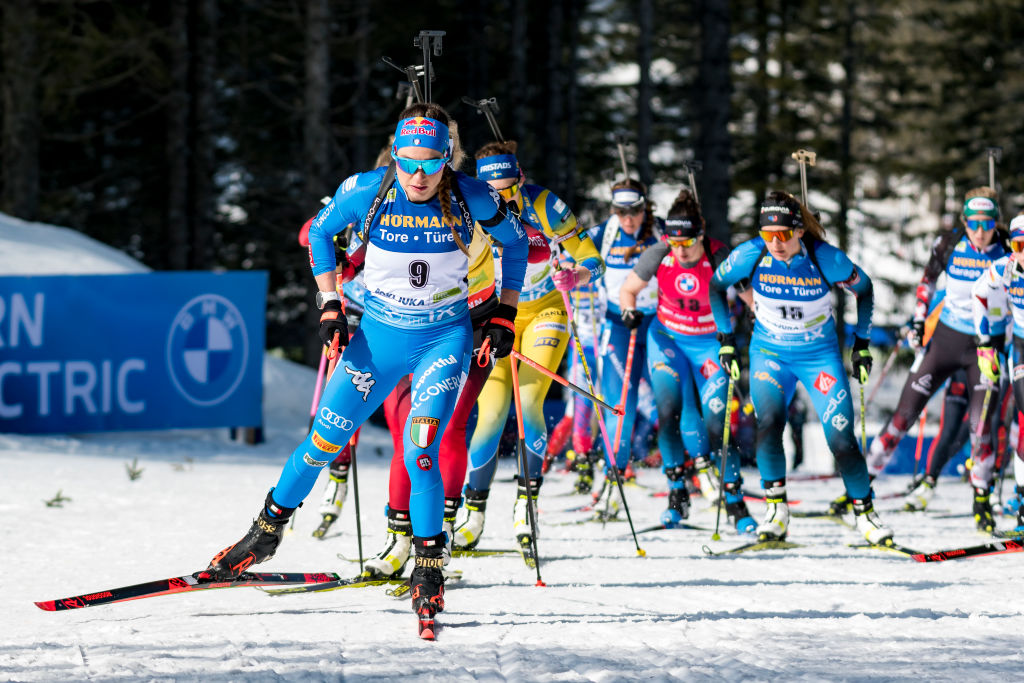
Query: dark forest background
{"points": [[200, 134]]}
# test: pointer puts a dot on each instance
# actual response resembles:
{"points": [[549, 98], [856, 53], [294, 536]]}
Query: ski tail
{"points": [[178, 584], [993, 548]]}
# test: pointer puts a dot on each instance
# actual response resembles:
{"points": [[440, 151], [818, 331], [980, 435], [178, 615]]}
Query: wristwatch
{"points": [[323, 297]]}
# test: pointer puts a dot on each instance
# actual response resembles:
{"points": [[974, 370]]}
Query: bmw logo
{"points": [[687, 283], [207, 350]]}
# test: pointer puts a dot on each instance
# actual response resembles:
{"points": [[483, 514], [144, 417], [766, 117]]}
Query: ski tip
{"points": [[427, 633], [47, 605]]}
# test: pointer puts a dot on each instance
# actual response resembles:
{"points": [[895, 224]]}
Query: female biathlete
{"points": [[629, 231], [1004, 275], [453, 455], [542, 335], [682, 355], [963, 256], [416, 320], [792, 270]]}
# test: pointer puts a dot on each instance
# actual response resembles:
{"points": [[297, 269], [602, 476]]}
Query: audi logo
{"points": [[333, 418]]}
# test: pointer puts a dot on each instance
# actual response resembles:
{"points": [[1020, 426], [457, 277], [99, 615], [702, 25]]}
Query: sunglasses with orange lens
{"points": [[1017, 246], [682, 241], [508, 193], [780, 235]]}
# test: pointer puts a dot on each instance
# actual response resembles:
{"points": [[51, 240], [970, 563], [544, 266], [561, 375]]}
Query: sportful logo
{"points": [[207, 350], [363, 381]]}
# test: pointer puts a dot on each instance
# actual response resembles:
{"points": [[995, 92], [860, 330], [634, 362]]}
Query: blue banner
{"points": [[82, 353]]}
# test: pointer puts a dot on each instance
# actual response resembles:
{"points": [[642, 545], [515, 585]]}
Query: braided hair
{"points": [[647, 228]]}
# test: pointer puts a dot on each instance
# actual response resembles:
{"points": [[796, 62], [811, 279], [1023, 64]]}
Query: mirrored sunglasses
{"points": [[981, 224], [1017, 246], [682, 241], [509, 192], [780, 235], [412, 166]]}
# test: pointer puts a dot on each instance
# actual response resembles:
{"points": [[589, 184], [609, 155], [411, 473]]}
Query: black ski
{"points": [[684, 526], [753, 546], [402, 590], [180, 584], [993, 548]]}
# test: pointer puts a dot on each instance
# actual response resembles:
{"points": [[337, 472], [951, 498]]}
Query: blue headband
{"points": [[420, 131], [1017, 227], [497, 167]]}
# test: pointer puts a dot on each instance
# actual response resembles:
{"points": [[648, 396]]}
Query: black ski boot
{"points": [[678, 497], [583, 465], [522, 521], [983, 510], [427, 582], [257, 546], [840, 506]]}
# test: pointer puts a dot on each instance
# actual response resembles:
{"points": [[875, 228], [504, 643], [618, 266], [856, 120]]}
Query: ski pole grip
{"points": [[483, 355], [333, 351]]}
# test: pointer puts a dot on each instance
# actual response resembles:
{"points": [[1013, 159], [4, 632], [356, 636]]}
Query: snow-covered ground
{"points": [[820, 612]]}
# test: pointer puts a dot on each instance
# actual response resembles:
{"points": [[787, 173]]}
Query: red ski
{"points": [[426, 617], [178, 584], [993, 548]]}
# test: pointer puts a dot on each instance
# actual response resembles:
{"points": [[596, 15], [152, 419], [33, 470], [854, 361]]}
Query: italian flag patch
{"points": [[423, 431]]}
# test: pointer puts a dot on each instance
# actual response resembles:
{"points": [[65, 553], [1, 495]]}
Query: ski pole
{"points": [[920, 443], [994, 154], [319, 386], [617, 410], [885, 370], [355, 491], [627, 371], [726, 429], [620, 142], [600, 420], [691, 166], [524, 470], [805, 158], [625, 388]]}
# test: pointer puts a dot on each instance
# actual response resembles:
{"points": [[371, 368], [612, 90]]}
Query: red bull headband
{"points": [[497, 167], [419, 131], [781, 215]]}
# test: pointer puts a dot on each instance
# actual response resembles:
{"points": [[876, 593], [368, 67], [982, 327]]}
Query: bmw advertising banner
{"points": [[164, 350]]}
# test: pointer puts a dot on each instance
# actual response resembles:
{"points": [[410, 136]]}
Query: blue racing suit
{"points": [[416, 320], [795, 339]]}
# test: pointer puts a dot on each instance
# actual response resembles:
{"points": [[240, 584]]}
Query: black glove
{"points": [[916, 334], [861, 359], [501, 328], [632, 318], [333, 320], [727, 354]]}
